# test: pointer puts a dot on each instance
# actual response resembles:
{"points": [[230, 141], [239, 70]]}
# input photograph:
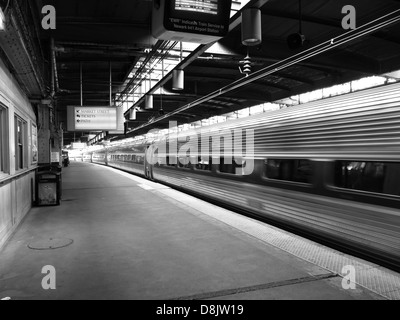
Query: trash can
{"points": [[48, 187]]}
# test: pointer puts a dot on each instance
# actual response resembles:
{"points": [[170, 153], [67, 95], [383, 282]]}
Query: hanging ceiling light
{"points": [[178, 79], [178, 75], [132, 114], [161, 111], [149, 102], [251, 27]]}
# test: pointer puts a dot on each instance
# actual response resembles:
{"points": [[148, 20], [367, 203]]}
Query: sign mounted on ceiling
{"points": [[198, 21], [92, 118]]}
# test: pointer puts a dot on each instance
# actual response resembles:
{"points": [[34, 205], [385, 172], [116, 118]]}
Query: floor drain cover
{"points": [[50, 244]]}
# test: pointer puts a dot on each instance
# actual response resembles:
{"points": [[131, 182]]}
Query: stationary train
{"points": [[329, 170]]}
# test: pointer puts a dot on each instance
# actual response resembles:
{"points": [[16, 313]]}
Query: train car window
{"points": [[172, 161], [139, 159], [227, 166], [204, 164], [184, 162], [289, 170], [20, 138], [162, 160], [377, 177]]}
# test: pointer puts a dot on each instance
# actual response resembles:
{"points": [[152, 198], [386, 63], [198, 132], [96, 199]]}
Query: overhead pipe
{"points": [[141, 69], [54, 74], [38, 77], [371, 27]]}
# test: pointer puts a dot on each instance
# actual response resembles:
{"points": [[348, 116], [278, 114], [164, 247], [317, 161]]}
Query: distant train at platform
{"points": [[328, 170]]}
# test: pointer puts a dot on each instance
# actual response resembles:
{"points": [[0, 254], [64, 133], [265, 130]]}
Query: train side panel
{"points": [[328, 169], [371, 228]]}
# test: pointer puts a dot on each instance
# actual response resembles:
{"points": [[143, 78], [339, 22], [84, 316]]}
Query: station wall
{"points": [[18, 154]]}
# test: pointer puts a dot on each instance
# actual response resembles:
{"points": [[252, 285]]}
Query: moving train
{"points": [[328, 170]]}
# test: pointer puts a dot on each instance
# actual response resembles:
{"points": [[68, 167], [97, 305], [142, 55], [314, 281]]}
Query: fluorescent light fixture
{"points": [[2, 20]]}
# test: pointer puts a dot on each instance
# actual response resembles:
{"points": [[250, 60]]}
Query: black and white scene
{"points": [[199, 156]]}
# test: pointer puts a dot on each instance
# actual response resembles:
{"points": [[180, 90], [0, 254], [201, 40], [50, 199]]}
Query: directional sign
{"points": [[92, 119], [199, 21]]}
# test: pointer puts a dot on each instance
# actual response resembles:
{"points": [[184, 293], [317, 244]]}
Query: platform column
{"points": [[49, 137]]}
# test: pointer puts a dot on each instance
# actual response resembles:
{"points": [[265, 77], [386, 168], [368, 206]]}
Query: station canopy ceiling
{"points": [[99, 34]]}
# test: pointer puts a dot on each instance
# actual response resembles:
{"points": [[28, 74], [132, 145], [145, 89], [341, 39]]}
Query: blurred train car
{"points": [[18, 154], [329, 170], [86, 157]]}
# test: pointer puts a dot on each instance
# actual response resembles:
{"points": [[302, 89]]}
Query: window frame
{"points": [[233, 166], [20, 148], [4, 146], [200, 163], [288, 182], [335, 185], [34, 144]]}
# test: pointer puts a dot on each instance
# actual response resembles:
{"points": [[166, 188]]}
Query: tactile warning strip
{"points": [[368, 275]]}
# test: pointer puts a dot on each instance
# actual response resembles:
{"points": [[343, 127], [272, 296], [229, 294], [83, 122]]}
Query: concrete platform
{"points": [[123, 237]]}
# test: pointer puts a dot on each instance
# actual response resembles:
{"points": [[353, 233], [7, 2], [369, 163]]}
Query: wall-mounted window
{"points": [[20, 143], [377, 177], [34, 145], [292, 170], [3, 140], [139, 159]]}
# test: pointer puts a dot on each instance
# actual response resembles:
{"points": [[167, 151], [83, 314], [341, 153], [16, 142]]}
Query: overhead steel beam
{"points": [[236, 20], [367, 29], [103, 22], [295, 78]]}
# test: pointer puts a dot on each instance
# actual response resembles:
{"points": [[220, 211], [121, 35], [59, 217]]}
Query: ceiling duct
{"points": [[19, 49]]}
